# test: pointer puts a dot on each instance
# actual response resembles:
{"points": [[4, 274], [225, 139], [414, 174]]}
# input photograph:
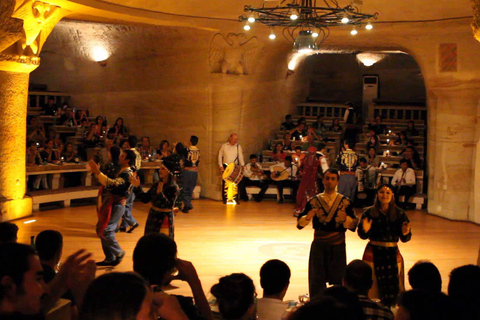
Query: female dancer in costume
{"points": [[165, 200], [308, 185], [384, 224]]}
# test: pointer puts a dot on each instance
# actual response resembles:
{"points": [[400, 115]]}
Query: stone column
{"points": [[14, 74], [24, 27]]}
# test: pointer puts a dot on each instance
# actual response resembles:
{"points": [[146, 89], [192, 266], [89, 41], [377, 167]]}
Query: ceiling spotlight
{"points": [[272, 35], [251, 19], [315, 33], [345, 19], [294, 15], [354, 31], [369, 26], [246, 27]]}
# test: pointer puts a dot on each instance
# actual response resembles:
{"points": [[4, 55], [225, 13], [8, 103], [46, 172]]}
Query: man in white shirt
{"points": [[230, 152], [404, 182], [274, 279], [292, 181], [254, 176]]}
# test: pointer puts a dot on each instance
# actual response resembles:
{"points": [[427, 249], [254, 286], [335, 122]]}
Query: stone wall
{"points": [[158, 79]]}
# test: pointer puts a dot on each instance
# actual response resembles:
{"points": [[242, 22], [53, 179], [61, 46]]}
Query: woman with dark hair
{"points": [[235, 296], [96, 132], [118, 131], [372, 158], [336, 127], [384, 224], [287, 142], [278, 154], [164, 149], [402, 139], [69, 153], [411, 130], [165, 200], [374, 142]]}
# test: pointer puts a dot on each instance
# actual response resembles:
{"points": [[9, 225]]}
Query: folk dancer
{"points": [[308, 183], [331, 214], [112, 198], [384, 224], [347, 161], [230, 152], [128, 220], [165, 200], [190, 173]]}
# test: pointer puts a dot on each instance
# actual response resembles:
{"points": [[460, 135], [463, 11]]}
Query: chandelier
{"points": [[305, 23]]}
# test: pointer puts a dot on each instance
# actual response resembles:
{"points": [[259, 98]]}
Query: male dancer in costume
{"points": [[347, 161], [331, 214], [190, 173], [112, 198]]}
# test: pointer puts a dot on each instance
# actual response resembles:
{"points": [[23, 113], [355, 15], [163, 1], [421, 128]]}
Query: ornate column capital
{"points": [[24, 28]]}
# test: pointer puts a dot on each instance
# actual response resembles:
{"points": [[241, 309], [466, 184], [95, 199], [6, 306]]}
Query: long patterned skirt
{"points": [[160, 222], [388, 273]]}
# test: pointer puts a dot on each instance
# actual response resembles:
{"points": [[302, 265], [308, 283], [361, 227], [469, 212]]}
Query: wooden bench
{"points": [[418, 140], [64, 195], [362, 148]]}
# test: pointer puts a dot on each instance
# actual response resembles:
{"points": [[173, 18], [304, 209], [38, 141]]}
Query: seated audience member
{"points": [[310, 143], [105, 152], [287, 142], [49, 154], [402, 139], [80, 115], [235, 296], [291, 181], [254, 176], [146, 151], [97, 131], [321, 307], [319, 126], [37, 133], [425, 305], [348, 298], [404, 183], [68, 118], [69, 155], [366, 184], [55, 137], [464, 290], [49, 246], [371, 133], [155, 259], [34, 158], [118, 132], [424, 275], [378, 126], [23, 293], [299, 132], [358, 277], [126, 296], [336, 127], [274, 279], [164, 150], [8, 232], [288, 124], [298, 156], [411, 130], [372, 158], [411, 154], [50, 108], [83, 127], [278, 154], [374, 142]]}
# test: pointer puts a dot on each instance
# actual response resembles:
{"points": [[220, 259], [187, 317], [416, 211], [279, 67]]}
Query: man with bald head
{"points": [[230, 152]]}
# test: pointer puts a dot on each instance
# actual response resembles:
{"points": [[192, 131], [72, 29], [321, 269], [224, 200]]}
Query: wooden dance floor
{"points": [[220, 240]]}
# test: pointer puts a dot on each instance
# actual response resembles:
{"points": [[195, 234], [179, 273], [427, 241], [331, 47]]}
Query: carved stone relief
{"points": [[233, 54]]}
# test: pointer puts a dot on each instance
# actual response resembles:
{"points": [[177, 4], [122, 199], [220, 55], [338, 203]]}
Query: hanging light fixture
{"points": [[302, 18], [305, 42], [272, 35]]}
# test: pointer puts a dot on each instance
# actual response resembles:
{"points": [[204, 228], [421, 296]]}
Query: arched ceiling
{"points": [[199, 12]]}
